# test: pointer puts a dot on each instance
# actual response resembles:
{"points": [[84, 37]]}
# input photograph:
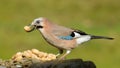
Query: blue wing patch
{"points": [[66, 37]]}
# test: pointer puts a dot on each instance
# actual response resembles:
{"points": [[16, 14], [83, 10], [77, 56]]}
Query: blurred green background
{"points": [[98, 17]]}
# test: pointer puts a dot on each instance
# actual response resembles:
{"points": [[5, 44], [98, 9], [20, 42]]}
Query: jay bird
{"points": [[61, 37]]}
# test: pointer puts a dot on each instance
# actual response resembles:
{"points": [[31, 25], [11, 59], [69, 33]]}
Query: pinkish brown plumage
{"points": [[61, 37]]}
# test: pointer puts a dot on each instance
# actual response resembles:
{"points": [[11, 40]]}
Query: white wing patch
{"points": [[83, 39], [77, 35]]}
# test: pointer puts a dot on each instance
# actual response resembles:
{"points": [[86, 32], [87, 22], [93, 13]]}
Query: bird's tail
{"points": [[101, 37]]}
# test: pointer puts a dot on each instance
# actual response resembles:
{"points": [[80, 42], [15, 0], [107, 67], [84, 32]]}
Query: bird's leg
{"points": [[67, 52], [60, 52]]}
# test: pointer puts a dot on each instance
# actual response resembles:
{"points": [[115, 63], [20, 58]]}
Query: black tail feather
{"points": [[101, 37]]}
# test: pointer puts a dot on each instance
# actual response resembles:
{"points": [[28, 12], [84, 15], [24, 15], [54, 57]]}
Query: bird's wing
{"points": [[66, 37], [72, 36], [65, 33], [62, 32]]}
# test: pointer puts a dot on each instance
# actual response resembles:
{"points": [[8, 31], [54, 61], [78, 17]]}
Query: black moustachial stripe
{"points": [[37, 27]]}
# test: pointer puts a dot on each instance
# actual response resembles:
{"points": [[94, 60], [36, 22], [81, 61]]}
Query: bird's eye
{"points": [[37, 21]]}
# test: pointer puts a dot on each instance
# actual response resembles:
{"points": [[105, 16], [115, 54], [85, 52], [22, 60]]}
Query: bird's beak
{"points": [[29, 28]]}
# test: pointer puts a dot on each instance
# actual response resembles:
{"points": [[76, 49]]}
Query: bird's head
{"points": [[37, 23]]}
